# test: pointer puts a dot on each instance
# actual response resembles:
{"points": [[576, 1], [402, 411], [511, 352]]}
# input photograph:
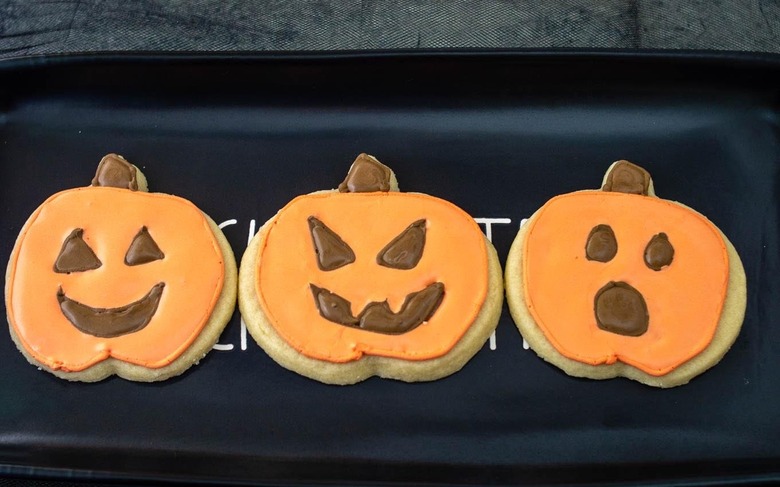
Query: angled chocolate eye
{"points": [[332, 252], [143, 249], [602, 244], [405, 250], [75, 255], [659, 252]]}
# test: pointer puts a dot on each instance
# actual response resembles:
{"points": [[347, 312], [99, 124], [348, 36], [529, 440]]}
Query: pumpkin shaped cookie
{"points": [[111, 279], [618, 282], [364, 280]]}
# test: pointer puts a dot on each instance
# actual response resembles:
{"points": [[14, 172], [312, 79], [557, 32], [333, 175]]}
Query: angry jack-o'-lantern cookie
{"points": [[618, 282], [365, 280], [111, 279]]}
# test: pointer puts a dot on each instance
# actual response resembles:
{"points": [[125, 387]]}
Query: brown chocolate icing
{"points": [[365, 176], [332, 252], [418, 308], [601, 245], [333, 307], [659, 252], [111, 322], [625, 177], [405, 250], [621, 309], [143, 249], [113, 171], [75, 255]]}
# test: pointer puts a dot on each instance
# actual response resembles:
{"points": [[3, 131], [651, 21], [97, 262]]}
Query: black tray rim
{"points": [[707, 474], [735, 59]]}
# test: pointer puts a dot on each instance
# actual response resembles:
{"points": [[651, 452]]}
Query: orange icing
{"points": [[192, 270], [454, 254], [684, 300]]}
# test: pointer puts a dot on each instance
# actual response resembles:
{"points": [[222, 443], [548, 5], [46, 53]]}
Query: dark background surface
{"points": [[240, 416], [497, 135], [66, 26]]}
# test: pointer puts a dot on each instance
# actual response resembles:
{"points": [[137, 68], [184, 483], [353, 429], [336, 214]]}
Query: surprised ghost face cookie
{"points": [[365, 280], [618, 282], [111, 279]]}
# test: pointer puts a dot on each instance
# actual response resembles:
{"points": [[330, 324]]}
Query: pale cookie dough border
{"points": [[208, 336], [288, 357], [726, 333]]}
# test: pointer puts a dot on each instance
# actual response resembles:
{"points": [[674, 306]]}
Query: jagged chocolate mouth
{"points": [[111, 322], [418, 308]]}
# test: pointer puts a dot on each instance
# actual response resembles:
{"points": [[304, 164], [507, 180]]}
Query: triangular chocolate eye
{"points": [[143, 249], [405, 250], [75, 255], [332, 252]]}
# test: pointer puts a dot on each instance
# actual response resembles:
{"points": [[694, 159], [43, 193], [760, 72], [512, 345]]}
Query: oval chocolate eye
{"points": [[332, 252], [602, 244], [75, 255], [659, 252], [143, 249], [405, 250]]}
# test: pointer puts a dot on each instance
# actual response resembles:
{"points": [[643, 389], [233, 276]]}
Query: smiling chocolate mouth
{"points": [[418, 308], [111, 322]]}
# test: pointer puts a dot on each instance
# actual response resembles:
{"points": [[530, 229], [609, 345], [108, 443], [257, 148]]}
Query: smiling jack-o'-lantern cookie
{"points": [[618, 282], [365, 280], [111, 279]]}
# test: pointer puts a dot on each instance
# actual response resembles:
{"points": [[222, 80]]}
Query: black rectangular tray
{"points": [[498, 134]]}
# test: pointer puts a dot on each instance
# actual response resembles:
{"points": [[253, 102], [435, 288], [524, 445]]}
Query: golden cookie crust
{"points": [[264, 333], [209, 335], [726, 333]]}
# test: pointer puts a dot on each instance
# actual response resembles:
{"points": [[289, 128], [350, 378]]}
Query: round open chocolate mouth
{"points": [[621, 309]]}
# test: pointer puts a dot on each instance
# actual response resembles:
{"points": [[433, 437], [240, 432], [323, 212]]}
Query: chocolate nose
{"points": [[621, 309]]}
